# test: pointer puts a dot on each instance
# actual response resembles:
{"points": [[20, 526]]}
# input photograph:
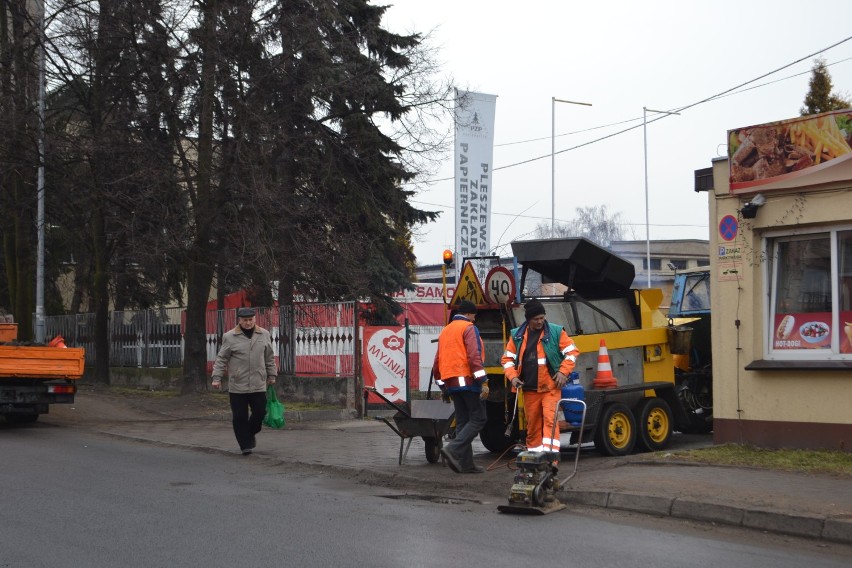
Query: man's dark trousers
{"points": [[470, 419], [245, 426]]}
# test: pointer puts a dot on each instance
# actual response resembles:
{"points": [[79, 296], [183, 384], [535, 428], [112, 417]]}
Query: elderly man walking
{"points": [[248, 356]]}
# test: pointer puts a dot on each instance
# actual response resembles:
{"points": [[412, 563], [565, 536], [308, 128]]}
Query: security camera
{"points": [[749, 210]]}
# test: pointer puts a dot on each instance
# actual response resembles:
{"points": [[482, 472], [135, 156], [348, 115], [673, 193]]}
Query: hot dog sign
{"points": [[802, 331]]}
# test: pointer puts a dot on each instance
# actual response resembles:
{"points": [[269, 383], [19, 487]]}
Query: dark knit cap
{"points": [[466, 307], [533, 308]]}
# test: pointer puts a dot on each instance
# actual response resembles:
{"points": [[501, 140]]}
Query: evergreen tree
{"points": [[820, 98]]}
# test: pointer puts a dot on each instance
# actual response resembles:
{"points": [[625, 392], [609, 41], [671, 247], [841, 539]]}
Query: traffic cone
{"points": [[58, 341], [604, 379]]}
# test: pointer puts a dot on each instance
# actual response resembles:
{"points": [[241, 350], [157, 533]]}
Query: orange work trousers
{"points": [[540, 410]]}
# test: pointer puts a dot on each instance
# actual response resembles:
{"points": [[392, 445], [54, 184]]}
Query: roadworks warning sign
{"points": [[469, 287]]}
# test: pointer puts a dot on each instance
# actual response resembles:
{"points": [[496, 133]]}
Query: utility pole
{"points": [[39, 308]]}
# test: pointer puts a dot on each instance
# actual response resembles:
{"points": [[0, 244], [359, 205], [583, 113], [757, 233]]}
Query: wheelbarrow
{"points": [[428, 419]]}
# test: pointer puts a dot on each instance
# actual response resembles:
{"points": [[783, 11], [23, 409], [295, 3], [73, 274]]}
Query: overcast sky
{"points": [[620, 56]]}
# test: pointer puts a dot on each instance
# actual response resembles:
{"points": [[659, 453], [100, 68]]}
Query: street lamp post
{"points": [[553, 101], [645, 111]]}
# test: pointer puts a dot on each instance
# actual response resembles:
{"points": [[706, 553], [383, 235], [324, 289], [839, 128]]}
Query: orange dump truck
{"points": [[34, 377]]}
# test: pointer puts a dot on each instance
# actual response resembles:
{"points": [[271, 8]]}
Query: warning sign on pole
{"points": [[469, 287], [499, 286]]}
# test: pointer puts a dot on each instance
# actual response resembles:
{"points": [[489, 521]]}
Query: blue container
{"points": [[573, 389]]}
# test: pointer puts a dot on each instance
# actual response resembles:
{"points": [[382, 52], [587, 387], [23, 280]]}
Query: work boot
{"points": [[451, 460], [475, 469]]}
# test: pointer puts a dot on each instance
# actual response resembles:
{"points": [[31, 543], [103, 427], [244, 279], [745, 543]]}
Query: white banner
{"points": [[474, 150]]}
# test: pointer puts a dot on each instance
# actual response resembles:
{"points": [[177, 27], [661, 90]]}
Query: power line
{"points": [[592, 128], [725, 93], [540, 218]]}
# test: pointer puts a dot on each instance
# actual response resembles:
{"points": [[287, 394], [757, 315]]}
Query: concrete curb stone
{"points": [[707, 512], [798, 525], [838, 530], [640, 503]]}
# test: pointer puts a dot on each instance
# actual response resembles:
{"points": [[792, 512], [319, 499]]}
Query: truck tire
{"points": [[493, 435], [615, 434], [653, 424]]}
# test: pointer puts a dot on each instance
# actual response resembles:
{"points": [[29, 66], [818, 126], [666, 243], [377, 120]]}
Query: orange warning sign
{"points": [[468, 287]]}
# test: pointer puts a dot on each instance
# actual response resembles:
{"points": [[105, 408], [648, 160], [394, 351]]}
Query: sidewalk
{"points": [[812, 506]]}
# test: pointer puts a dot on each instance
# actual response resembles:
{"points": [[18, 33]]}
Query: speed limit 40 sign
{"points": [[499, 286]]}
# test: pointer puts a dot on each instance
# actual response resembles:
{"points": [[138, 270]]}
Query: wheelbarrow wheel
{"points": [[433, 449]]}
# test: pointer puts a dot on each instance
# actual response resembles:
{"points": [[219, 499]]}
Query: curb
{"points": [[801, 525]]}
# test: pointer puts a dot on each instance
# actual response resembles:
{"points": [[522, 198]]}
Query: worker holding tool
{"points": [[459, 371], [538, 358]]}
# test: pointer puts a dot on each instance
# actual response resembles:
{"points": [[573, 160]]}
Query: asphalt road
{"points": [[72, 498]]}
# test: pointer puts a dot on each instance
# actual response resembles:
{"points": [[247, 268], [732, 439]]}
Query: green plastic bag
{"points": [[274, 410]]}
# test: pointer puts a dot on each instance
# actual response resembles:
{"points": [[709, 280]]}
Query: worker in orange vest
{"points": [[538, 358], [460, 372]]}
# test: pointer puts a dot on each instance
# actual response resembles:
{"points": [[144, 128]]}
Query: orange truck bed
{"points": [[41, 362]]}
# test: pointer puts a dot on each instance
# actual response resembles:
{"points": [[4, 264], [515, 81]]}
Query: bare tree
{"points": [[19, 43], [594, 222]]}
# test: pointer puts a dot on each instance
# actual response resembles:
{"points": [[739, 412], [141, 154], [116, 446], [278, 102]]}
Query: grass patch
{"points": [[805, 461]]}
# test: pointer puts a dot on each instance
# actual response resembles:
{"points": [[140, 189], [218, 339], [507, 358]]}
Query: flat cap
{"points": [[245, 313]]}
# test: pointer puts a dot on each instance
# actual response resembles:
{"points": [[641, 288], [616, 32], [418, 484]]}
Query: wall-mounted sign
{"points": [[728, 228], [803, 151], [730, 263]]}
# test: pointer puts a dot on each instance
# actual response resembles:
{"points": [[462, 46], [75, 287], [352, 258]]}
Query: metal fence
{"points": [[309, 338]]}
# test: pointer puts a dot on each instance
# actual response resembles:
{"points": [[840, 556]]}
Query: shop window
{"points": [[811, 295]]}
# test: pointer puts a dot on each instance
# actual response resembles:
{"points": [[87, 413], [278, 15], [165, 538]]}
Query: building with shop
{"points": [[781, 290]]}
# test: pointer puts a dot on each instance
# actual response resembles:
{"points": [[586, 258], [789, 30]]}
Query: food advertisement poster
{"points": [[809, 150], [804, 331]]}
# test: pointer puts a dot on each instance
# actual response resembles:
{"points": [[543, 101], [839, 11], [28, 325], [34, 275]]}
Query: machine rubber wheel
{"points": [[615, 434], [493, 435], [433, 449], [21, 418], [696, 398], [654, 424]]}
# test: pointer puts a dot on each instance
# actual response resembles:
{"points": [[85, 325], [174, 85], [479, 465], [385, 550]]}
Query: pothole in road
{"points": [[436, 499]]}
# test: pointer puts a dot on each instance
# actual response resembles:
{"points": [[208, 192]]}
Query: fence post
{"points": [[359, 377]]}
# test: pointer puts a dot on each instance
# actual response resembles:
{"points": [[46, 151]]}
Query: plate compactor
{"points": [[536, 483]]}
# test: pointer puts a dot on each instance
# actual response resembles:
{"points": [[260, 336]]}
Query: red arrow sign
{"points": [[394, 390]]}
